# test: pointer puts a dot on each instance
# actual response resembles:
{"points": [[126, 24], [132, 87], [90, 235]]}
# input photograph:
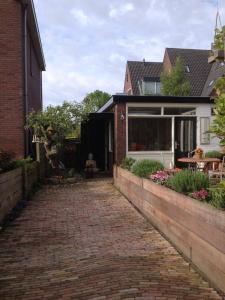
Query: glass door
{"points": [[185, 137]]}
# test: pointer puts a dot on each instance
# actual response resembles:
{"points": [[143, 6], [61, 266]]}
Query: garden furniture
{"points": [[220, 171], [199, 164]]}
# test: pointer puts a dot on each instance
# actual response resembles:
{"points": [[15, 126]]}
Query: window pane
{"points": [[180, 111], [149, 88], [158, 88], [145, 110], [149, 134]]}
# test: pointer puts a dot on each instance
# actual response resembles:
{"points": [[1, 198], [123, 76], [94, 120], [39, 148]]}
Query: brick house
{"points": [[21, 65], [141, 123]]}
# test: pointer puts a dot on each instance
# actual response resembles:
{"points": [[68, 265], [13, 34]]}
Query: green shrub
{"points": [[22, 162], [217, 195], [213, 154], [145, 167], [187, 181], [127, 163]]}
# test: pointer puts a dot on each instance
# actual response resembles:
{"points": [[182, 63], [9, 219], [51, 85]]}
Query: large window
{"points": [[149, 134]]}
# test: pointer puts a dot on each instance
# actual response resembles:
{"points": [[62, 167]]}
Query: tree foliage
{"points": [[63, 120], [218, 125], [52, 125], [173, 82], [95, 100]]}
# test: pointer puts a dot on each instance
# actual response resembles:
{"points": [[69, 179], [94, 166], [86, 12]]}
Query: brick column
{"points": [[11, 78], [120, 132]]}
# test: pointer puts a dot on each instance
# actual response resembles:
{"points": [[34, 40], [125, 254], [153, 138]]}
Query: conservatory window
{"points": [[145, 134], [186, 111], [144, 110]]}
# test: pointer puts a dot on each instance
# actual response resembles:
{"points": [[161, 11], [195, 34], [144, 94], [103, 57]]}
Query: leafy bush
{"points": [[22, 162], [213, 154], [188, 181], [145, 167], [127, 163], [6, 160], [217, 195]]}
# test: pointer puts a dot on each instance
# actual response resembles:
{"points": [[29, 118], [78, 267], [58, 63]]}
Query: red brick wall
{"points": [[11, 80], [166, 62], [120, 132], [34, 78], [127, 83]]}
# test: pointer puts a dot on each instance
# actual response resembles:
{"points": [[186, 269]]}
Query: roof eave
{"points": [[35, 33]]}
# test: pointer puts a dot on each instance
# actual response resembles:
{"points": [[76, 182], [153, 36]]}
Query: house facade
{"points": [[159, 127], [141, 123], [21, 65]]}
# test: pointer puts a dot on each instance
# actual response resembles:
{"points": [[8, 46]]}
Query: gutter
{"points": [[25, 85]]}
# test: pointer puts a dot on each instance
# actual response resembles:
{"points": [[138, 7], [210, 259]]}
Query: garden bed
{"points": [[195, 228]]}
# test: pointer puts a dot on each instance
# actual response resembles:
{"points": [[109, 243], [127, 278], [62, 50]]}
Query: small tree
{"points": [[173, 82], [52, 125], [95, 100]]}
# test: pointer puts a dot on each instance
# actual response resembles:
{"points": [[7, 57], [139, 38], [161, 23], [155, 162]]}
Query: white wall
{"points": [[164, 157], [204, 110]]}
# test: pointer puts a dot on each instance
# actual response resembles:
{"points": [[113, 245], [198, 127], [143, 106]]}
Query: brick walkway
{"points": [[86, 241]]}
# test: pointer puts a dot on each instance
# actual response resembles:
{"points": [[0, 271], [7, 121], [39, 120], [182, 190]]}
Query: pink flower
{"points": [[196, 194], [203, 194]]}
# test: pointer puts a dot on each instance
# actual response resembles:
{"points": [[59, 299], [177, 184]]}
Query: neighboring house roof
{"points": [[217, 70], [198, 71], [140, 69], [197, 62]]}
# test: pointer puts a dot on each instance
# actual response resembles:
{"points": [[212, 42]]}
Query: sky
{"points": [[87, 43]]}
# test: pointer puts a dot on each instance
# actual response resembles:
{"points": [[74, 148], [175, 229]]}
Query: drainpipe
{"points": [[25, 86]]}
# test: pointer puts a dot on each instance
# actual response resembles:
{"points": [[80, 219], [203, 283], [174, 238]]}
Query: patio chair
{"points": [[220, 172]]}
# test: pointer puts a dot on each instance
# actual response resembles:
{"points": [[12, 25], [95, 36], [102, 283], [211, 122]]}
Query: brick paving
{"points": [[86, 241]]}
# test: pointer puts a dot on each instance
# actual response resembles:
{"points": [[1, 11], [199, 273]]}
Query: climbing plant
{"points": [[219, 37], [218, 125]]}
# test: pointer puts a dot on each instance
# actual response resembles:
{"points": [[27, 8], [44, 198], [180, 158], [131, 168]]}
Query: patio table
{"points": [[197, 161]]}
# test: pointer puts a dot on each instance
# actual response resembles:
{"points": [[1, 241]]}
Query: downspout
{"points": [[25, 85]]}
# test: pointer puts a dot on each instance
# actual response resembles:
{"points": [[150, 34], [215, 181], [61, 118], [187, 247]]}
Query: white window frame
{"points": [[162, 105]]}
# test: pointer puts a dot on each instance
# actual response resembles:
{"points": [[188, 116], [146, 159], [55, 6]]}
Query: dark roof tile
{"points": [[139, 69], [197, 61], [216, 71]]}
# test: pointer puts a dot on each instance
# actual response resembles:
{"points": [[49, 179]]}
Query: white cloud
{"points": [[87, 43], [116, 11], [79, 15]]}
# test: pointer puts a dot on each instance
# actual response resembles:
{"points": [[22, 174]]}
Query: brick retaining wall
{"points": [[195, 228]]}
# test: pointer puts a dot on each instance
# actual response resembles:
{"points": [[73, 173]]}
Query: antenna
{"points": [[218, 19]]}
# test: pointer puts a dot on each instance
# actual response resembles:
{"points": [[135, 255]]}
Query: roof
{"points": [[197, 61], [153, 99], [34, 30], [217, 70], [140, 69]]}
